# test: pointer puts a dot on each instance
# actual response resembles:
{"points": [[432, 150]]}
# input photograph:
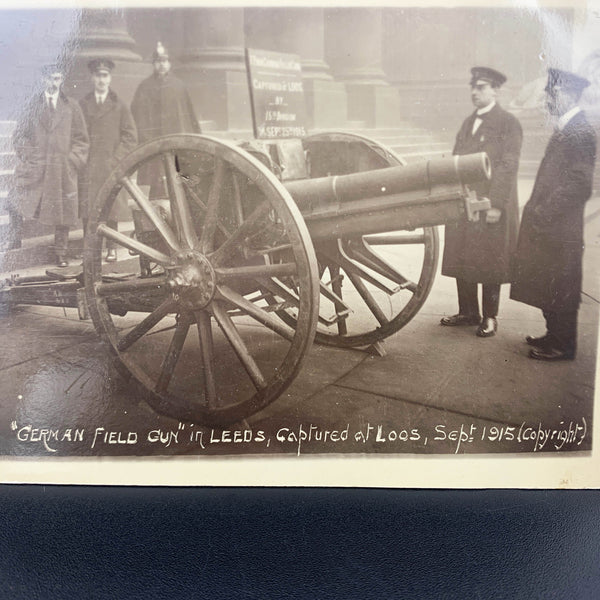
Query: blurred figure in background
{"points": [[161, 106]]}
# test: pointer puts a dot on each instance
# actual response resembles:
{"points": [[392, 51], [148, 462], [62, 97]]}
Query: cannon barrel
{"points": [[423, 194]]}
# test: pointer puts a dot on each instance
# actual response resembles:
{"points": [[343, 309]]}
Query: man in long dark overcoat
{"points": [[51, 143], [548, 262], [112, 136], [480, 251], [161, 106]]}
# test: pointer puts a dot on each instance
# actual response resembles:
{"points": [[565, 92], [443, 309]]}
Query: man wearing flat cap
{"points": [[548, 263], [112, 136], [51, 143], [480, 251], [161, 106]]}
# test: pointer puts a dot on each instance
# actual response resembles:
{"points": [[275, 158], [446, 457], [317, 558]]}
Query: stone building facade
{"points": [[364, 67]]}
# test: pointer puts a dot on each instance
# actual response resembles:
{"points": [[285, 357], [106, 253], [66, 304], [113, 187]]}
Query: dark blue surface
{"points": [[59, 542]]}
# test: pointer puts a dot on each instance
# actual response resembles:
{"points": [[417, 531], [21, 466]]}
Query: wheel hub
{"points": [[192, 280]]}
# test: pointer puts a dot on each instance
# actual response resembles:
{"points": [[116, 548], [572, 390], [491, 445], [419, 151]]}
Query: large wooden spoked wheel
{"points": [[373, 285], [184, 310]]}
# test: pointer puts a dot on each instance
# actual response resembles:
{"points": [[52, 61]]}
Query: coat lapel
{"points": [[97, 111], [45, 114], [62, 109]]}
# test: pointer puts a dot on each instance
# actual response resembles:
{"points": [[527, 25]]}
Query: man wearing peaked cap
{"points": [[161, 106], [485, 74], [567, 80], [112, 136], [548, 263], [480, 252], [101, 64]]}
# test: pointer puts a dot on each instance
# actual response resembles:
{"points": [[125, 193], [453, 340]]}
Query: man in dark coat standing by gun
{"points": [[548, 263], [161, 106], [112, 136], [51, 143], [480, 252]]}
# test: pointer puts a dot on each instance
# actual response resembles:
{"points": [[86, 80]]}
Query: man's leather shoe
{"points": [[538, 342], [61, 261], [460, 320], [551, 354], [487, 327], [111, 255]]}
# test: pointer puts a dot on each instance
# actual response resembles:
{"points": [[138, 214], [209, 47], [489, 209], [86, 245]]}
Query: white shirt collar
{"points": [[54, 96], [486, 109], [562, 122], [101, 97]]}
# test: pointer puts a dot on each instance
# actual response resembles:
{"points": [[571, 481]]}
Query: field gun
{"points": [[243, 255]]}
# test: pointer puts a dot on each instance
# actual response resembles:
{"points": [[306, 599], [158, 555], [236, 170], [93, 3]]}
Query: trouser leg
{"points": [[111, 244], [491, 299], [468, 304], [562, 329], [16, 229], [61, 240]]}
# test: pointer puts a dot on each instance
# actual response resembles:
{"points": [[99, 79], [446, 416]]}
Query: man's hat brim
{"points": [[488, 75], [101, 64], [557, 78]]}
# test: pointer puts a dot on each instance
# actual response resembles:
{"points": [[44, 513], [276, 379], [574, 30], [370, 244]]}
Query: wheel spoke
{"points": [[395, 239], [238, 344], [341, 308], [276, 270], [366, 295], [249, 227], [134, 245], [343, 260], [255, 312], [201, 205], [211, 218], [278, 289], [207, 353], [147, 324], [172, 356], [237, 200], [361, 252], [159, 224], [181, 211]]}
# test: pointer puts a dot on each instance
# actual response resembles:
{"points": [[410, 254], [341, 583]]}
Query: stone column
{"points": [[102, 33], [301, 31], [354, 51], [212, 64]]}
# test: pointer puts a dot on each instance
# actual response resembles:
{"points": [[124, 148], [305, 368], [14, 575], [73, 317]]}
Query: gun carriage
{"points": [[251, 253]]}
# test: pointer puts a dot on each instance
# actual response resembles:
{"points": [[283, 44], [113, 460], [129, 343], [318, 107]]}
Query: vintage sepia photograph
{"points": [[354, 239]]}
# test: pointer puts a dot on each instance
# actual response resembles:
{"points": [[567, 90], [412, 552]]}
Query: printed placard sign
{"points": [[277, 94]]}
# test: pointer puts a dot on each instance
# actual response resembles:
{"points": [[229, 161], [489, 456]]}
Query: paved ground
{"points": [[437, 390]]}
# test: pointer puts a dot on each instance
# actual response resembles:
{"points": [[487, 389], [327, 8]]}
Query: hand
{"points": [[493, 215]]}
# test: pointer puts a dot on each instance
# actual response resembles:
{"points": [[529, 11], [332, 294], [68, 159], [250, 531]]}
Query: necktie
{"points": [[477, 123]]}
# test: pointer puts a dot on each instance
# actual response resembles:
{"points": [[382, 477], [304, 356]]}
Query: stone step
{"points": [[8, 160], [40, 250], [428, 148], [6, 143], [7, 127]]}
